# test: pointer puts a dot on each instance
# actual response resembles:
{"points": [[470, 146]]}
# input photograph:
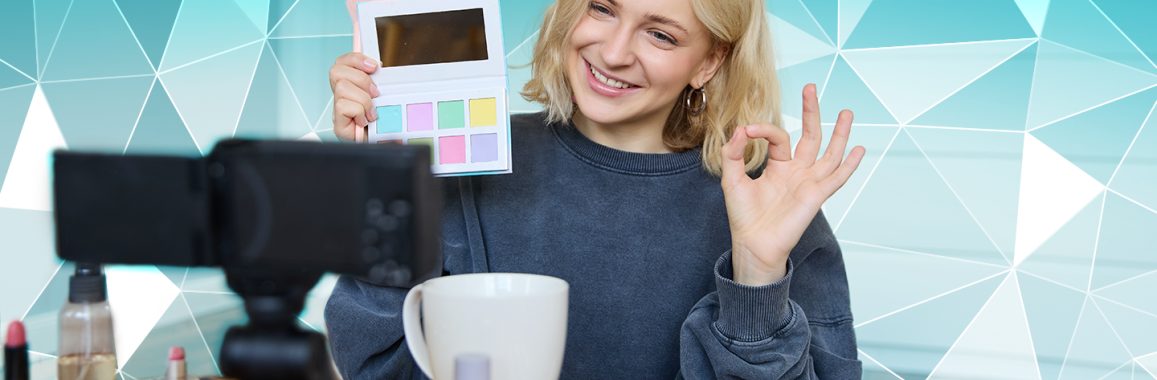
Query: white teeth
{"points": [[608, 81]]}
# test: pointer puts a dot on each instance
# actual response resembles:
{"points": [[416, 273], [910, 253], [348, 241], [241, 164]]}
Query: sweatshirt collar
{"points": [[646, 164]]}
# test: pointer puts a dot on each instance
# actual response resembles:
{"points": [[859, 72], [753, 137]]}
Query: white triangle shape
{"points": [[794, 45], [138, 297], [910, 80], [310, 137], [1052, 191], [850, 13], [1148, 363], [997, 344], [791, 124], [1034, 11], [26, 186]]}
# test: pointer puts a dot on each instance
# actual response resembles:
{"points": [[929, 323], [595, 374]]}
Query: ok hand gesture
{"points": [[769, 214]]}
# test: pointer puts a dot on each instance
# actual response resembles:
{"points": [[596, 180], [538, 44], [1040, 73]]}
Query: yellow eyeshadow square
{"points": [[483, 112]]}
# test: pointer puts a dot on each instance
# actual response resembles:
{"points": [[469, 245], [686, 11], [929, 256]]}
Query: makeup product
{"points": [[86, 336], [443, 81], [176, 369], [472, 367], [15, 353]]}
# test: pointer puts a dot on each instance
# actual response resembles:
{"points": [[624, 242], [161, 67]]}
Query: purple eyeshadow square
{"points": [[484, 147], [420, 117]]}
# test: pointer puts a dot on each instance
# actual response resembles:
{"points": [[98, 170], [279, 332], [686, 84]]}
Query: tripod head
{"points": [[272, 346]]}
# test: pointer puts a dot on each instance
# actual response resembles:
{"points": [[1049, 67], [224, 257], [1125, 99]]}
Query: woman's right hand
{"points": [[349, 78]]}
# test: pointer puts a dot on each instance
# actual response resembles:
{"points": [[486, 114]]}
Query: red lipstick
{"points": [[176, 370], [16, 353]]}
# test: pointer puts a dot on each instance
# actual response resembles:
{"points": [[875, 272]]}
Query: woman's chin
{"points": [[606, 111]]}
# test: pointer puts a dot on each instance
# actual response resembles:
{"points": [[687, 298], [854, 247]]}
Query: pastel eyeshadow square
{"points": [[427, 141], [451, 114], [483, 112], [420, 117], [389, 119], [452, 150], [484, 147]]}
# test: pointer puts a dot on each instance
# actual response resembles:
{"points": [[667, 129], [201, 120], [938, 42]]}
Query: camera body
{"points": [[371, 211]]}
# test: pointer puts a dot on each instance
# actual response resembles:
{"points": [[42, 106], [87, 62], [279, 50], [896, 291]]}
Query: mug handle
{"points": [[412, 326]]}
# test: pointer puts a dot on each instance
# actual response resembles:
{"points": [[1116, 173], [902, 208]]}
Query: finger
{"points": [[358, 61], [348, 133], [350, 91], [339, 73], [835, 152], [809, 144], [779, 142], [348, 113], [734, 168], [840, 176]]}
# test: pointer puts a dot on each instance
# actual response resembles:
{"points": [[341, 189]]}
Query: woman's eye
{"points": [[600, 9], [663, 37]]}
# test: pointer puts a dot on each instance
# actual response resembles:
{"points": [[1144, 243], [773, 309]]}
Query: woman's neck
{"points": [[637, 136]]}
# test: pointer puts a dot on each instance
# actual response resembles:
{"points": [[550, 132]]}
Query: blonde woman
{"points": [[636, 187]]}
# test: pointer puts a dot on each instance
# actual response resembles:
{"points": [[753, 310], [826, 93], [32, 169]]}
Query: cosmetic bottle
{"points": [[86, 336], [472, 367]]}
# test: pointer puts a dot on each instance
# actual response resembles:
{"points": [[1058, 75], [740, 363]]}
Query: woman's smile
{"points": [[607, 85]]}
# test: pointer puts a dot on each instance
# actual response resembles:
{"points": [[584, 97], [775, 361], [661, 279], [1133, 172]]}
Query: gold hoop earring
{"points": [[702, 101]]}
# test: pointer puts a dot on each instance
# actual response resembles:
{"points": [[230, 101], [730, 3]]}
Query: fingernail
{"points": [[370, 64], [374, 90], [374, 113], [752, 128]]}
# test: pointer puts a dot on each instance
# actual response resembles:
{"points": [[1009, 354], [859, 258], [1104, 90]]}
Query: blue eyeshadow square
{"points": [[389, 119]]}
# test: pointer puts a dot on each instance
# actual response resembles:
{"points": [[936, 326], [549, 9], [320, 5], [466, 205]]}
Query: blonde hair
{"points": [[743, 91]]}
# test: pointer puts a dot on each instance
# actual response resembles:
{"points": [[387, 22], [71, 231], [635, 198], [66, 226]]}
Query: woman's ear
{"points": [[710, 65]]}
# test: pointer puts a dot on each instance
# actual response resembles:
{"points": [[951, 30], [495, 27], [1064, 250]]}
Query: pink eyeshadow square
{"points": [[452, 150], [420, 117]]}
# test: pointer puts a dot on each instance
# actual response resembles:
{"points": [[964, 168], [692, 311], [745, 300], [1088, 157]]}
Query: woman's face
{"points": [[629, 60]]}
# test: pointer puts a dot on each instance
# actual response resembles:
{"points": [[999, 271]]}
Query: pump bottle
{"points": [[86, 336]]}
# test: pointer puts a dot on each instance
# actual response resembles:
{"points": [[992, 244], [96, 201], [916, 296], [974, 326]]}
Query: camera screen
{"points": [[438, 37]]}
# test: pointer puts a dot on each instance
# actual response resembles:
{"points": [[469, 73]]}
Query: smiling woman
{"points": [[655, 185], [717, 50]]}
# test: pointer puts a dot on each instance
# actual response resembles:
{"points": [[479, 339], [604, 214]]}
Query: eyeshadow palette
{"points": [[442, 81]]}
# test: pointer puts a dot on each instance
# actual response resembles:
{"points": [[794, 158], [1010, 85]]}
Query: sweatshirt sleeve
{"points": [[365, 331], [746, 332]]}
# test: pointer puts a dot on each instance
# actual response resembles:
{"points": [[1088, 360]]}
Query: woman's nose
{"points": [[619, 49]]}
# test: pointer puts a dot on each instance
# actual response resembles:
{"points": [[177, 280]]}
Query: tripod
{"points": [[272, 346]]}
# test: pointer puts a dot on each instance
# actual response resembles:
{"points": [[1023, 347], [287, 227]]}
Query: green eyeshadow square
{"points": [[427, 141], [451, 115]]}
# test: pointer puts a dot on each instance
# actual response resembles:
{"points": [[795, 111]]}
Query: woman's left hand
{"points": [[769, 214]]}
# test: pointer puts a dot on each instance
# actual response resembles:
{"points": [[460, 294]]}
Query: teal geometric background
{"points": [[1000, 226]]}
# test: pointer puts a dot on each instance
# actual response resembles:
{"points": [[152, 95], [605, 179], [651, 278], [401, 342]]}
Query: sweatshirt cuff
{"points": [[751, 313]]}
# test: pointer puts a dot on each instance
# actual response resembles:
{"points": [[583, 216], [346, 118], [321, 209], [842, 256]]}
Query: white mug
{"points": [[517, 320]]}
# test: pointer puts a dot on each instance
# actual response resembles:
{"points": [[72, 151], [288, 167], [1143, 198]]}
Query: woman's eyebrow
{"points": [[656, 18], [665, 21]]}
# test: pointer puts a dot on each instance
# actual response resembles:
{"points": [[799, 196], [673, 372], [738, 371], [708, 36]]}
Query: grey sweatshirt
{"points": [[643, 241]]}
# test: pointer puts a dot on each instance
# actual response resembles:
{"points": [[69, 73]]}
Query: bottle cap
{"points": [[87, 284], [472, 367]]}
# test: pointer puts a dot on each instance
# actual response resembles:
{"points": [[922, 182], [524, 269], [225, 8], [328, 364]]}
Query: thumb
{"points": [[732, 165]]}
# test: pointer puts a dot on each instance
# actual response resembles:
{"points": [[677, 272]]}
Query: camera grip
{"points": [[412, 327]]}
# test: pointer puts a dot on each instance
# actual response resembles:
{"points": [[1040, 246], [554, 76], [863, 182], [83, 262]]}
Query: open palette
{"points": [[443, 81]]}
